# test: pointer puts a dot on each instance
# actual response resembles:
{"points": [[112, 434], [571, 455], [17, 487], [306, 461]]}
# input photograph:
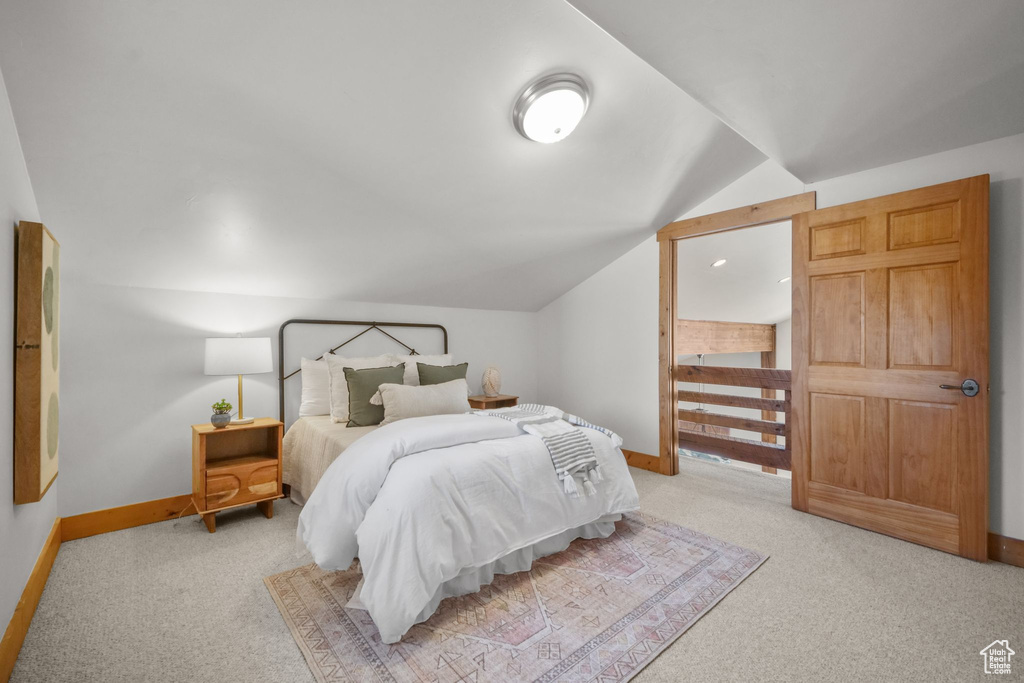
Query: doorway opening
{"points": [[734, 311], [735, 411]]}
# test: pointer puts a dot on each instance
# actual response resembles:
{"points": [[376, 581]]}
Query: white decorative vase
{"points": [[492, 381]]}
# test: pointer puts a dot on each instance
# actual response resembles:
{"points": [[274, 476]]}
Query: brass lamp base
{"points": [[241, 420]]}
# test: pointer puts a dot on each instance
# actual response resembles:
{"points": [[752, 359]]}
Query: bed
{"points": [[313, 442], [310, 446], [434, 506]]}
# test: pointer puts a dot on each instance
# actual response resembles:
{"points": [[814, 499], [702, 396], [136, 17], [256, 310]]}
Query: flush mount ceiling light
{"points": [[719, 263], [551, 107], [785, 279]]}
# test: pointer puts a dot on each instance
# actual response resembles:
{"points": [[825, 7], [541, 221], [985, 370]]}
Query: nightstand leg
{"points": [[267, 508], [210, 518]]}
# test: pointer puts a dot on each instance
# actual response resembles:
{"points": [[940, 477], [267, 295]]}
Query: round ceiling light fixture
{"points": [[551, 107], [719, 263], [785, 279]]}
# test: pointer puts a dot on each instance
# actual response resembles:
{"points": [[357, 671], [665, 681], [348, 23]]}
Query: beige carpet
{"points": [[170, 602], [600, 610]]}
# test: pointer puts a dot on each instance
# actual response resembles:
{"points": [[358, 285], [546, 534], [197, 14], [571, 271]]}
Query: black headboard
{"points": [[368, 326]]}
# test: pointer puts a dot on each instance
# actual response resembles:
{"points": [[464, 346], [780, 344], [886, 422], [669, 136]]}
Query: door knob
{"points": [[969, 387]]}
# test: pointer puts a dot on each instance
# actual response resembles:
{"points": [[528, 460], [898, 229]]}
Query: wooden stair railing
{"points": [[697, 428]]}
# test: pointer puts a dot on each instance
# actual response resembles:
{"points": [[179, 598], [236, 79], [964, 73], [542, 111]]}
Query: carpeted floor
{"points": [[170, 602], [602, 609]]}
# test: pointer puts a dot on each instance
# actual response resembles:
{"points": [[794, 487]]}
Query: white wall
{"points": [[23, 528], [595, 344], [618, 306], [599, 341], [132, 375]]}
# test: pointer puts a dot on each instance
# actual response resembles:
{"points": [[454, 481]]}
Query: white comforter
{"points": [[421, 499]]}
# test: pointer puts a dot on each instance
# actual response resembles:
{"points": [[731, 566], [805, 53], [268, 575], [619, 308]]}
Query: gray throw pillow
{"points": [[362, 385], [439, 374]]}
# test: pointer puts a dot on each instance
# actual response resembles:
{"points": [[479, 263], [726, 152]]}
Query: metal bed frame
{"points": [[281, 377]]}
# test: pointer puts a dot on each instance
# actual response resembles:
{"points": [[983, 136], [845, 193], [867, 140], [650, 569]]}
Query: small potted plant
{"points": [[221, 414]]}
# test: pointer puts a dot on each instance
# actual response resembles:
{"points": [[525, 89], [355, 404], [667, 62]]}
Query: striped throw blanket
{"points": [[571, 452]]}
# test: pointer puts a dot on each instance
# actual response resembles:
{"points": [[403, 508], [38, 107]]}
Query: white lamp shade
{"points": [[238, 356]]}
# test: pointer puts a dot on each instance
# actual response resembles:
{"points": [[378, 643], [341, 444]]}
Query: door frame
{"points": [[740, 218]]}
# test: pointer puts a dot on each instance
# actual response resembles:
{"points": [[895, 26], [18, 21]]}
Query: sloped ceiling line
{"points": [[827, 87], [358, 151]]}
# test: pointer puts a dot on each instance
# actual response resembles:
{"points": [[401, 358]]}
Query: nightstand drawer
{"points": [[240, 480]]}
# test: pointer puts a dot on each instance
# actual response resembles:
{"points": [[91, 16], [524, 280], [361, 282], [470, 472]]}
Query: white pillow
{"points": [[401, 401], [412, 374], [339, 387], [316, 391]]}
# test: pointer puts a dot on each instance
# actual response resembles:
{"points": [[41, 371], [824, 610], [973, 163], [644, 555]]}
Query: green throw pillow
{"points": [[362, 385], [439, 374]]}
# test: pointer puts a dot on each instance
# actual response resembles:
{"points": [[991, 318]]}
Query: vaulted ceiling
{"points": [[364, 151], [361, 151], [830, 87]]}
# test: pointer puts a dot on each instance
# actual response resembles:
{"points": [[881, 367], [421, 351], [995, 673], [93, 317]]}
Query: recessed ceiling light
{"points": [[551, 107], [719, 263], [785, 279]]}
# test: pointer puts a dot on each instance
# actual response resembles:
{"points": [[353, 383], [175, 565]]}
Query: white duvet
{"points": [[422, 499]]}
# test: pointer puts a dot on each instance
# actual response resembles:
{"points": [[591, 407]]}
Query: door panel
{"points": [[837, 441], [923, 443], [922, 306], [837, 320], [838, 239], [920, 227], [890, 301]]}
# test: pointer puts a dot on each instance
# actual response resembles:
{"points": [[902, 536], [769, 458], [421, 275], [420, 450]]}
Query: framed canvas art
{"points": [[36, 361]]}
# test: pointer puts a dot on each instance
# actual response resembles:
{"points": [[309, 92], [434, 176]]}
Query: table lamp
{"points": [[238, 356]]}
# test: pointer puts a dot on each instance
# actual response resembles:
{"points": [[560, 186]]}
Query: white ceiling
{"points": [[361, 151], [744, 290], [829, 87]]}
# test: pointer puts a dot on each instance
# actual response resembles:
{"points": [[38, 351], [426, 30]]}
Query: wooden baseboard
{"points": [[17, 629], [125, 517], [642, 460], [1005, 549], [69, 529]]}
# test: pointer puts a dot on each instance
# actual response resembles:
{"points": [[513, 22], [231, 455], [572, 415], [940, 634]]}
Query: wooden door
{"points": [[890, 317]]}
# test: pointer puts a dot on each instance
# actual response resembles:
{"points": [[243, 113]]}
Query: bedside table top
{"points": [[258, 423], [492, 399]]}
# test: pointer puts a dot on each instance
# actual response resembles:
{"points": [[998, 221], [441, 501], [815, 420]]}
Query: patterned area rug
{"points": [[601, 610]]}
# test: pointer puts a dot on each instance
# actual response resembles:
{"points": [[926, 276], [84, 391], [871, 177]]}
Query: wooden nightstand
{"points": [[233, 466], [490, 402]]}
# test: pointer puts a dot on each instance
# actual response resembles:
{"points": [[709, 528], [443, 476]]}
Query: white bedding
{"points": [[309, 448], [422, 500]]}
